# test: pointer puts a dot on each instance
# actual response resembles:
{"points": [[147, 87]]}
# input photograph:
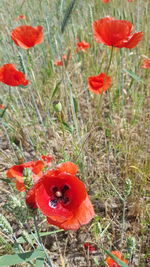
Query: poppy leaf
{"points": [[21, 239], [39, 262], [133, 75], [56, 89], [69, 128], [8, 260], [121, 263]]}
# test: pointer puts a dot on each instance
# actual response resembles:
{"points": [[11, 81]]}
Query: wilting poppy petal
{"points": [[16, 172], [88, 246], [12, 77], [20, 17], [146, 64], [68, 167], [112, 263], [117, 33], [58, 63], [81, 46], [62, 197], [99, 84], [27, 36]]}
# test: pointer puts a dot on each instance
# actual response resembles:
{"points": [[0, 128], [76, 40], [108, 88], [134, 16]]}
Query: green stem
{"points": [[110, 59], [41, 243]]}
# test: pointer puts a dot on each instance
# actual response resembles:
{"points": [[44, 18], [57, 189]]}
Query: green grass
{"points": [[107, 137]]}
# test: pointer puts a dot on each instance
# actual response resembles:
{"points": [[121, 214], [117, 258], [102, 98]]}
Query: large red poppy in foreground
{"points": [[12, 77], [16, 172], [99, 84], [62, 198], [118, 33], [27, 36], [112, 263]]}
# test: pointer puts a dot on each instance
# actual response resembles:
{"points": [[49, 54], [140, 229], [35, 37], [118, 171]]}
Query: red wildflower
{"points": [[146, 64], [112, 263], [130, 0], [58, 63], [68, 166], [47, 159], [2, 106], [99, 84], [118, 33], [62, 198], [105, 1], [17, 172], [20, 17], [89, 246], [10, 76], [27, 36], [62, 61], [81, 46]]}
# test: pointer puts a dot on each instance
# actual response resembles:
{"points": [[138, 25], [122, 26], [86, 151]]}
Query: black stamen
{"points": [[65, 200], [65, 188], [55, 189], [53, 202]]}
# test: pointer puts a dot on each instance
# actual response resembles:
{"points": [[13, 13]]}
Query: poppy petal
{"points": [[27, 36], [68, 166], [134, 40], [12, 77]]}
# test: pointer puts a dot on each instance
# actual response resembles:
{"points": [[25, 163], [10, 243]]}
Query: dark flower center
{"points": [[59, 196]]}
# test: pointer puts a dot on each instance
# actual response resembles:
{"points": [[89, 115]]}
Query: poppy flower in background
{"points": [[16, 172], [58, 62], [20, 17], [47, 159], [146, 64], [27, 36], [89, 246], [12, 77], [2, 106], [62, 198], [82, 46], [117, 33], [111, 263], [65, 58], [99, 84], [105, 1], [130, 0]]}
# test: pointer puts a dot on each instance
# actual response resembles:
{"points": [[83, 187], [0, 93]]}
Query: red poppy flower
{"points": [[16, 172], [118, 33], [20, 17], [130, 0], [10, 76], [146, 64], [47, 159], [112, 263], [62, 198], [81, 46], [2, 106], [58, 63], [68, 167], [99, 84], [89, 246], [105, 1], [27, 36]]}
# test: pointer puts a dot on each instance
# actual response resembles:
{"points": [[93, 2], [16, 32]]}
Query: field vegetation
{"points": [[106, 135]]}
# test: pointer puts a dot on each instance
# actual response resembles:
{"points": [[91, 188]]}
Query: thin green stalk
{"points": [[41, 243], [110, 59]]}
